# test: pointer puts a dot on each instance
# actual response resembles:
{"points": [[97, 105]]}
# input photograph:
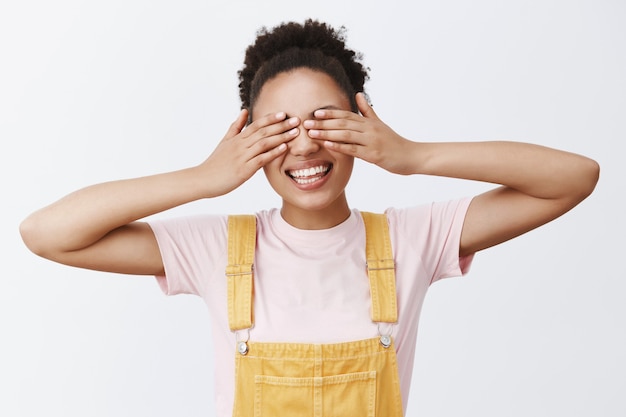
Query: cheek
{"points": [[346, 162], [267, 171], [273, 168]]}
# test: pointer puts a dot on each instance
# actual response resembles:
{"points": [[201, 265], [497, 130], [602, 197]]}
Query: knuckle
{"points": [[259, 163], [263, 131], [262, 143]]}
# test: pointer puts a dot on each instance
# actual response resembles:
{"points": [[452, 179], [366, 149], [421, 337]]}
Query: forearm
{"points": [[85, 216], [531, 169]]}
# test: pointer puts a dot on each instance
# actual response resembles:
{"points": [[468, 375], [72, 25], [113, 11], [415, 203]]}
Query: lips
{"points": [[309, 175]]}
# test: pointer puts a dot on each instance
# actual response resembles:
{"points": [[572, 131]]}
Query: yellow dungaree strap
{"points": [[241, 244], [380, 268]]}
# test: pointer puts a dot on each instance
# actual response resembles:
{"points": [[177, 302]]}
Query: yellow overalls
{"points": [[353, 379]]}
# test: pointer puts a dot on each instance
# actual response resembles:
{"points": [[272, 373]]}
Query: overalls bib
{"points": [[353, 379]]}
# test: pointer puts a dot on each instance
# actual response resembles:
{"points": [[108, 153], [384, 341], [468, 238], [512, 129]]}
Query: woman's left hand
{"points": [[363, 136]]}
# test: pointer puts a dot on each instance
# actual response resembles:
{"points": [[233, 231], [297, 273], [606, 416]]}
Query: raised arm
{"points": [[97, 227], [538, 184]]}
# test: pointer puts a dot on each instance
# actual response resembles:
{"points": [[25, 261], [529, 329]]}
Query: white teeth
{"points": [[308, 172], [306, 180]]}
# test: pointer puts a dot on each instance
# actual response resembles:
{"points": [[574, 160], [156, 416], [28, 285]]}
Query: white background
{"points": [[95, 91]]}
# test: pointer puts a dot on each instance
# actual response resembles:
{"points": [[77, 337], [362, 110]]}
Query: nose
{"points": [[303, 145]]}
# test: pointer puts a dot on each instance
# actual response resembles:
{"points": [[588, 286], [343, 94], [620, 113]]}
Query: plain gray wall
{"points": [[96, 91]]}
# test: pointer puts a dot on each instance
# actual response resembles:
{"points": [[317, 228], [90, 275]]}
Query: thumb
{"points": [[239, 123], [364, 107]]}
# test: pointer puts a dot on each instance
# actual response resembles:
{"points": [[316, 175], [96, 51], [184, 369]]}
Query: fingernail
{"points": [[281, 115], [293, 121], [293, 131], [319, 113], [314, 132], [308, 124]]}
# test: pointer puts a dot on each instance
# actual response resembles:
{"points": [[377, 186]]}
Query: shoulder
{"points": [[430, 225], [199, 224], [211, 227], [428, 214]]}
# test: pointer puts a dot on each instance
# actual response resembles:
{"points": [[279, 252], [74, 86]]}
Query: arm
{"points": [[97, 227], [538, 184]]}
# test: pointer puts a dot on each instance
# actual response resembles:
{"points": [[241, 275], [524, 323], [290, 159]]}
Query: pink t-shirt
{"points": [[311, 286]]}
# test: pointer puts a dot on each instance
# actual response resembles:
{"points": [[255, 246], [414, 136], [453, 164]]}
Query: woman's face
{"points": [[310, 179]]}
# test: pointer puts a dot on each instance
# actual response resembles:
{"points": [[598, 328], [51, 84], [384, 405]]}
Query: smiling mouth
{"points": [[309, 175]]}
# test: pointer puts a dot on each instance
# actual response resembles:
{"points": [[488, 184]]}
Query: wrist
{"points": [[413, 158]]}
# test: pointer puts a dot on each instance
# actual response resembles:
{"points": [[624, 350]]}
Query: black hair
{"points": [[291, 45]]}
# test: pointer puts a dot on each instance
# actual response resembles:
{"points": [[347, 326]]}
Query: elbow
{"points": [[28, 234], [590, 174], [32, 236], [582, 182]]}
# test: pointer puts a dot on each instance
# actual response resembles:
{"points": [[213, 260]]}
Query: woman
{"points": [[304, 119]]}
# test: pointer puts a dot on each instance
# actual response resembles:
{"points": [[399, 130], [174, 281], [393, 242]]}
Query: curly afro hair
{"points": [[291, 45]]}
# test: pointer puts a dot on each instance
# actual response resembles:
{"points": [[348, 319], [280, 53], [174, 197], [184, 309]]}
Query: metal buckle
{"points": [[385, 338], [242, 345]]}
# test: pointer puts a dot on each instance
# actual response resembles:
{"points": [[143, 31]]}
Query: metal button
{"points": [[385, 341], [242, 348]]}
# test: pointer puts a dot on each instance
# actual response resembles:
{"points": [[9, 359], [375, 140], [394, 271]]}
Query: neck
{"points": [[323, 218]]}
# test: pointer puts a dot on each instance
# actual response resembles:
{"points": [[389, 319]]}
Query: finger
{"points": [[270, 126], [265, 144], [262, 122], [276, 133], [260, 160], [236, 126], [341, 136], [355, 124], [350, 149], [364, 107], [333, 114]]}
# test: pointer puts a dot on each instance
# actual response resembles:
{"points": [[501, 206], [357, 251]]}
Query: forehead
{"points": [[299, 93]]}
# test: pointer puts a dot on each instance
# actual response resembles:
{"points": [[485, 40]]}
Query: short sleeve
{"points": [[432, 234], [192, 249]]}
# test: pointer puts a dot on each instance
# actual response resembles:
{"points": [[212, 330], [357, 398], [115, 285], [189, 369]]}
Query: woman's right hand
{"points": [[243, 151]]}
